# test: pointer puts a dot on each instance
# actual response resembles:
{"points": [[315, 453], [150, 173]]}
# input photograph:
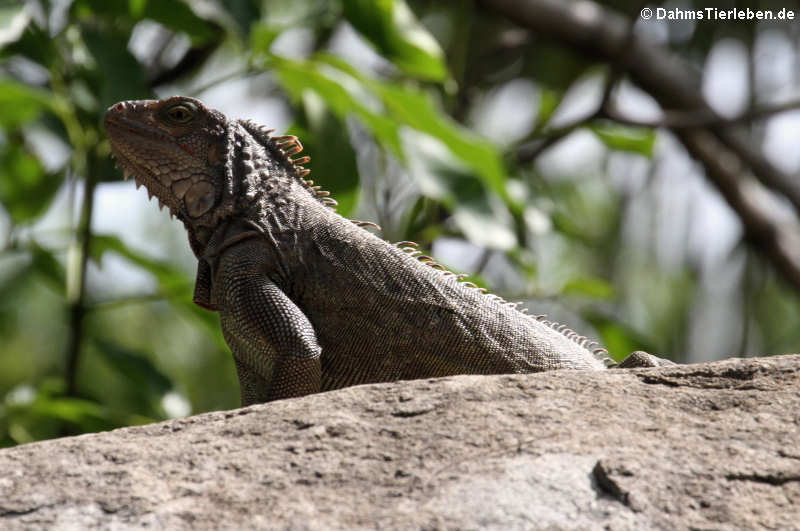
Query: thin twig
{"points": [[222, 79], [700, 117], [530, 151]]}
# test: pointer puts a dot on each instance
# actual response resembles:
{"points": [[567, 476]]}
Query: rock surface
{"points": [[712, 446]]}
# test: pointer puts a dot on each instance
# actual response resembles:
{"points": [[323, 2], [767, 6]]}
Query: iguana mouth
{"points": [[130, 168], [143, 177]]}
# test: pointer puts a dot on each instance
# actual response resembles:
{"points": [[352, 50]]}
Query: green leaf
{"points": [[172, 282], [624, 138], [180, 17], [20, 103], [554, 66], [45, 265], [460, 178], [414, 108], [26, 189], [88, 9], [174, 14], [394, 31], [243, 13], [122, 76], [585, 210], [548, 103], [26, 265], [325, 135], [150, 383], [590, 286], [170, 279], [341, 93], [317, 13], [13, 21], [447, 179], [262, 36], [74, 410]]}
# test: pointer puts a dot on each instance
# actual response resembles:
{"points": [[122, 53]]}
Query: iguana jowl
{"points": [[308, 300]]}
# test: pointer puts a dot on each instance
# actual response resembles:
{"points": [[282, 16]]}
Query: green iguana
{"points": [[310, 301]]}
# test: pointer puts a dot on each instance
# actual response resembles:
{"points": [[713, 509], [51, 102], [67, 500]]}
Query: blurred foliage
{"points": [[396, 131]]}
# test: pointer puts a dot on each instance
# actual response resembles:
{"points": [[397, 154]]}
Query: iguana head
{"points": [[176, 148]]}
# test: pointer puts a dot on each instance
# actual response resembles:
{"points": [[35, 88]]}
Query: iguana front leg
{"points": [[273, 342]]}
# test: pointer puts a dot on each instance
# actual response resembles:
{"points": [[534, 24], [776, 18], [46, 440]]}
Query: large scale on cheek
{"points": [[199, 198], [179, 188]]}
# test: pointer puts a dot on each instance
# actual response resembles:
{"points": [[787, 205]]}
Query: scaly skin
{"points": [[308, 300]]}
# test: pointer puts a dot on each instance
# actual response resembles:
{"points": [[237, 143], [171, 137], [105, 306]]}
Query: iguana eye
{"points": [[181, 113]]}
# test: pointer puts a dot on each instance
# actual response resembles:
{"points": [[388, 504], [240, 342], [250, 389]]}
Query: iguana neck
{"points": [[260, 187]]}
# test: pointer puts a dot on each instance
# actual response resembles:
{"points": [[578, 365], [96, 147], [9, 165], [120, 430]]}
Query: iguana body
{"points": [[308, 300]]}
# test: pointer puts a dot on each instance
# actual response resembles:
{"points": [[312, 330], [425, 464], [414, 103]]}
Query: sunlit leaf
{"points": [[473, 164], [624, 138], [283, 14], [589, 286], [548, 103], [262, 37], [415, 109], [444, 177], [298, 77], [391, 27], [13, 21]]}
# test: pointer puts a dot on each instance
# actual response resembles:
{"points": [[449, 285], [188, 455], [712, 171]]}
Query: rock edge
{"points": [[712, 445]]}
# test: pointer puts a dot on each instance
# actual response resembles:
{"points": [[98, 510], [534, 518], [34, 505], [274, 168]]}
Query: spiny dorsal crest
{"points": [[284, 147], [288, 145], [410, 248]]}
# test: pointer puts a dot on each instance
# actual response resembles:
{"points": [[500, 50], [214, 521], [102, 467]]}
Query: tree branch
{"points": [[76, 294], [680, 120], [723, 149]]}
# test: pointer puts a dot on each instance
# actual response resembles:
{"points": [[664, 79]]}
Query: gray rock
{"points": [[711, 446]]}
